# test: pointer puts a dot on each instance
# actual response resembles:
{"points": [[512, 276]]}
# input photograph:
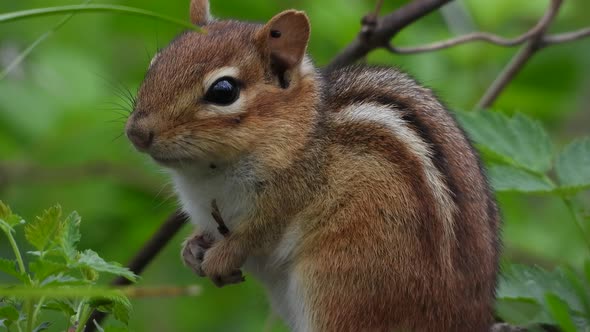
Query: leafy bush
{"points": [[59, 277], [521, 158]]}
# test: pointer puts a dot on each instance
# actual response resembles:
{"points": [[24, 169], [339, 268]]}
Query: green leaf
{"points": [[42, 327], [518, 141], [9, 313], [69, 236], [521, 311], [508, 178], [90, 259], [520, 282], [8, 219], [42, 230], [62, 280], [121, 310], [9, 267], [65, 306], [572, 165], [46, 268], [560, 312], [119, 306]]}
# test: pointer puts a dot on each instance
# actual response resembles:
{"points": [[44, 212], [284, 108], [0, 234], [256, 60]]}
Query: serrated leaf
{"points": [[121, 311], [519, 141], [572, 165], [9, 313], [90, 259], [62, 305], [508, 178], [62, 280], [69, 236], [520, 282], [42, 230], [9, 267], [45, 268], [521, 311], [560, 312], [581, 287], [119, 306], [8, 217]]}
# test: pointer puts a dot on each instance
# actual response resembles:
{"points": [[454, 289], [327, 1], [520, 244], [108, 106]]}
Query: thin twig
{"points": [[566, 36], [506, 76], [221, 227], [161, 291], [148, 252], [386, 27], [518, 62], [484, 36], [19, 172]]}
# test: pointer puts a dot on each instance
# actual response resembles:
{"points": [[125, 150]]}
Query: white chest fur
{"points": [[197, 188]]}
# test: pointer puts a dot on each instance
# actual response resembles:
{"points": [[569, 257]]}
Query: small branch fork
{"points": [[378, 32]]}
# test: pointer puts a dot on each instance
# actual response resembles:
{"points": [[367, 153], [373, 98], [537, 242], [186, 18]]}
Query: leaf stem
{"points": [[38, 308], [579, 223], [19, 257], [24, 14], [83, 317], [30, 305]]}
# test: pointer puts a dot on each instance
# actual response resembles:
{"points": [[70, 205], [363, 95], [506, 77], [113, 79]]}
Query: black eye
{"points": [[223, 92]]}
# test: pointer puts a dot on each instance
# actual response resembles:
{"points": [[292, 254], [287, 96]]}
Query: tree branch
{"points": [[385, 28], [144, 256], [535, 43], [566, 37], [541, 26], [378, 32]]}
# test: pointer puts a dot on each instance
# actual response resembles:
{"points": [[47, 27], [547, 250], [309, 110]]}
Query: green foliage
{"points": [[528, 295], [573, 166], [517, 141], [44, 230], [520, 159], [520, 154], [59, 277]]}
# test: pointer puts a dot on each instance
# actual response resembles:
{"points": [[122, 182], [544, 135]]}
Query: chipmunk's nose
{"points": [[141, 138]]}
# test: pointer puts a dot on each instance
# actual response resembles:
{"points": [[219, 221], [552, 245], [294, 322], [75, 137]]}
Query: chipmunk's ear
{"points": [[200, 12], [284, 40]]}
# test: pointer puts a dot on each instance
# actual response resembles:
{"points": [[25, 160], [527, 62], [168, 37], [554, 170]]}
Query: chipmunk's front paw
{"points": [[222, 264], [194, 250]]}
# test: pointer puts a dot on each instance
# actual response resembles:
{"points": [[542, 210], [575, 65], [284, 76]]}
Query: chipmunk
{"points": [[351, 194]]}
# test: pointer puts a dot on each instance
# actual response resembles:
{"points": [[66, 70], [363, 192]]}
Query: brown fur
{"points": [[374, 250]]}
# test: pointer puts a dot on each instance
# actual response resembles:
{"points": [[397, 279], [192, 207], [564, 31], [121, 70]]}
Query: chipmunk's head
{"points": [[215, 94]]}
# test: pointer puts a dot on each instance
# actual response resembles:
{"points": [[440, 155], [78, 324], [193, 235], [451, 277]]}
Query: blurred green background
{"points": [[60, 136]]}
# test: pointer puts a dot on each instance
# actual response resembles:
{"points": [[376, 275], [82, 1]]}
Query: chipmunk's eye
{"points": [[223, 92]]}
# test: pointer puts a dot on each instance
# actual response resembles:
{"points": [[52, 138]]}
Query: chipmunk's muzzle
{"points": [[141, 139], [140, 135]]}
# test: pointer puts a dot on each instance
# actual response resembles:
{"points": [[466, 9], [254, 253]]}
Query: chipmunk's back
{"points": [[410, 187]]}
